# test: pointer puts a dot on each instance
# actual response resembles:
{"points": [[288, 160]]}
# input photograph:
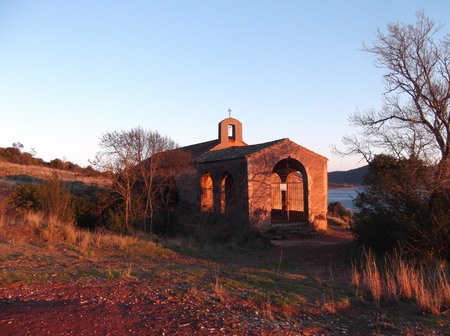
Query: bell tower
{"points": [[230, 133]]}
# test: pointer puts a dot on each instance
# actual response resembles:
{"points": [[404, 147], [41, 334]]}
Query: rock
{"points": [[13, 284]]}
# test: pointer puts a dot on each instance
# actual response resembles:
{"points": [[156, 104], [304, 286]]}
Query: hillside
{"points": [[353, 177], [13, 173]]}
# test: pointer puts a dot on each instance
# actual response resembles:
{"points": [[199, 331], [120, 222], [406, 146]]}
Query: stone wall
{"points": [[218, 170], [260, 167], [253, 178]]}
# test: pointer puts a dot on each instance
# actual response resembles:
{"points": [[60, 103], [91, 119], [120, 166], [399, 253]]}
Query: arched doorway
{"points": [[207, 195], [289, 192], [228, 193]]}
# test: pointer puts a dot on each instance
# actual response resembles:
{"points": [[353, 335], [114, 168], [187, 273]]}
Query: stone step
{"points": [[288, 225], [291, 230]]}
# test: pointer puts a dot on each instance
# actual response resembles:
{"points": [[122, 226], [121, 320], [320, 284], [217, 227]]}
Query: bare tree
{"points": [[116, 156], [167, 170], [18, 146], [125, 155], [414, 119], [154, 156], [407, 143]]}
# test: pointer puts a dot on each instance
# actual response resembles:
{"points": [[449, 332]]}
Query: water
{"points": [[343, 196]]}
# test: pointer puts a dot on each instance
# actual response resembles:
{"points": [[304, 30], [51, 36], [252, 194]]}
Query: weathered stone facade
{"points": [[273, 182]]}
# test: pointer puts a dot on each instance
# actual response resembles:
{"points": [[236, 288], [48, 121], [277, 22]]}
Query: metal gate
{"points": [[288, 202]]}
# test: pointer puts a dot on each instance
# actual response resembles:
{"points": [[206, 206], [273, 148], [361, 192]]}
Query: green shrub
{"points": [[51, 198], [405, 204], [57, 164], [55, 200], [11, 154], [84, 211], [25, 197], [337, 210], [114, 222]]}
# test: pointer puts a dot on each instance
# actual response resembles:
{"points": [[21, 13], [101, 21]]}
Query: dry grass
{"points": [[391, 286], [128, 270], [218, 288], [53, 232], [84, 241], [329, 305], [428, 284], [356, 278], [33, 220], [371, 278], [69, 233], [267, 309]]}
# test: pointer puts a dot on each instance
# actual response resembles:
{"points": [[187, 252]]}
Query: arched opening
{"points": [[289, 192], [228, 194], [232, 132], [207, 195]]}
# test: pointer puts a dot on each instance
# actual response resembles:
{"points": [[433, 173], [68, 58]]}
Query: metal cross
{"points": [[229, 113]]}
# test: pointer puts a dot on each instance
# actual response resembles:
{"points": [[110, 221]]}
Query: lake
{"points": [[343, 196]]}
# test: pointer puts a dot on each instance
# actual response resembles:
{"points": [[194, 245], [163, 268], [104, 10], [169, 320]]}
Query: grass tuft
{"points": [[428, 284]]}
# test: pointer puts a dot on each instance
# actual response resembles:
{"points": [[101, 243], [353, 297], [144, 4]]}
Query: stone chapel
{"points": [[269, 183]]}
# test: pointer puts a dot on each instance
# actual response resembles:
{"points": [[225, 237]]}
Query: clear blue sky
{"points": [[72, 70]]}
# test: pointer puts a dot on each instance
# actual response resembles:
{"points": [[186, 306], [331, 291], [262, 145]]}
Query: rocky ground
{"points": [[205, 296]]}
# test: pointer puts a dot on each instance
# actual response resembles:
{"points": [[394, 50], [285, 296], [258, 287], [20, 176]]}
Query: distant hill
{"points": [[341, 179]]}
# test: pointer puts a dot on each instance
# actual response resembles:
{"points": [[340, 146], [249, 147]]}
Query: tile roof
{"points": [[201, 148], [231, 153]]}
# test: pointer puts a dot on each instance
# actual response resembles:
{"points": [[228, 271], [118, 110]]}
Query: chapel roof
{"points": [[231, 153], [229, 145], [201, 148]]}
